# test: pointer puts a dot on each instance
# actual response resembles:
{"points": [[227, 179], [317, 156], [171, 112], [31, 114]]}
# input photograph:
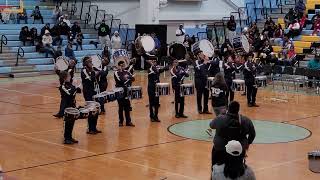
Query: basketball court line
{"points": [[279, 164], [32, 94], [303, 118]]}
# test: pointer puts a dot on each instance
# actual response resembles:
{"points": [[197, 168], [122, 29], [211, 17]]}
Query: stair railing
{"points": [[19, 55], [3, 41]]}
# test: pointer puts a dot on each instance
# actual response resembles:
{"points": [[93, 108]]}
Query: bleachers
{"points": [[34, 62]]}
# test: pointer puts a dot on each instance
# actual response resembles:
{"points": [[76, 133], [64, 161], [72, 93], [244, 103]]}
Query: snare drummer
{"points": [[123, 79], [178, 74], [201, 71], [249, 73], [153, 78], [68, 95], [89, 82], [229, 76], [103, 80]]}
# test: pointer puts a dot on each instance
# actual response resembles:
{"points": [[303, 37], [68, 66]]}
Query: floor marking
{"points": [[33, 94], [153, 168], [279, 164]]}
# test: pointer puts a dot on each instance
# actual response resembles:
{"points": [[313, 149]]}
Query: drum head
{"points": [[245, 43], [206, 47], [177, 51], [72, 111], [148, 43], [96, 61], [62, 63]]}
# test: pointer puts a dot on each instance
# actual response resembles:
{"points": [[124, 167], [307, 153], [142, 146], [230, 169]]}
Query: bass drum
{"points": [[62, 63], [241, 45], [144, 44], [203, 45], [177, 51]]}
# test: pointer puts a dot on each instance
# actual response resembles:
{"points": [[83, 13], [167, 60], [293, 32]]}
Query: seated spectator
{"points": [[79, 39], [65, 19], [303, 21], [75, 29], [300, 8], [314, 64], [36, 14], [34, 35], [45, 27], [22, 16], [5, 16], [287, 53], [294, 29], [47, 43], [116, 41], [56, 13], [277, 35], [253, 31], [1, 17], [226, 48], [269, 27], [25, 35], [234, 166], [316, 27], [314, 19], [266, 53], [68, 52], [230, 126], [55, 33], [290, 16], [64, 28]]}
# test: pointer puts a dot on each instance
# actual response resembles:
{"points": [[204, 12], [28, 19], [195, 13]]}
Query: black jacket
{"points": [[154, 77], [24, 35], [68, 95], [201, 72], [88, 83], [178, 74], [229, 72], [103, 81], [249, 72], [214, 67], [75, 29], [103, 30], [218, 94]]}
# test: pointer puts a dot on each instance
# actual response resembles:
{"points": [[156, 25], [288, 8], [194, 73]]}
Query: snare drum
{"points": [[238, 85], [71, 113], [99, 97], [93, 107], [210, 81], [261, 81], [118, 92], [162, 89], [241, 45], [186, 90], [135, 92], [84, 113], [109, 96], [205, 46]]}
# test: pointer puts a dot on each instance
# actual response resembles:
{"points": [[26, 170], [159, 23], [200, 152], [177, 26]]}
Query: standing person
{"points": [[214, 66], [234, 166], [232, 26], [249, 73], [116, 41], [103, 80], [154, 78], [231, 126], [68, 95], [56, 13], [200, 77], [229, 76], [178, 74], [180, 34], [103, 33], [79, 39], [36, 14], [75, 29], [89, 82], [123, 80], [313, 64]]}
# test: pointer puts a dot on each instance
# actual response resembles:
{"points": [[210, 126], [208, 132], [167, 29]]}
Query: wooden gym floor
{"points": [[31, 138]]}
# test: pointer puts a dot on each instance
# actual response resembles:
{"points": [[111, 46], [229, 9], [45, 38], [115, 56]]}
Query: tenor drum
{"points": [[210, 81], [99, 97], [109, 96], [186, 89], [177, 51], [84, 113], [205, 46], [261, 81], [238, 85], [71, 113], [162, 89], [241, 45], [93, 107], [62, 63], [135, 92], [144, 44], [314, 161], [119, 92]]}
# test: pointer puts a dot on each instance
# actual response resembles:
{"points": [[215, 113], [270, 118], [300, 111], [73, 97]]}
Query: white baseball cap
{"points": [[234, 148]]}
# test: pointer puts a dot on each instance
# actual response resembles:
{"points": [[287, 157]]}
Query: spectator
{"points": [[316, 27], [234, 166], [68, 52], [287, 53], [290, 16], [75, 29], [314, 64], [314, 19], [277, 35], [232, 26], [25, 35], [1, 17], [22, 16], [45, 27], [56, 13], [64, 28], [303, 21], [266, 53], [34, 35], [5, 16], [269, 27], [103, 33], [36, 14], [116, 41], [294, 29], [79, 39], [47, 43], [218, 93], [300, 8], [66, 20], [226, 48], [59, 2], [180, 34], [105, 53], [231, 126]]}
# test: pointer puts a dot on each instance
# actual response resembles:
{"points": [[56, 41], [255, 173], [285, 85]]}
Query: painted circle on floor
{"points": [[267, 132]]}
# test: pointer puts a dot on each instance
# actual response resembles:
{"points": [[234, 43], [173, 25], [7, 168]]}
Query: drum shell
{"points": [[71, 116], [119, 93], [135, 92], [186, 90], [162, 89], [177, 51]]}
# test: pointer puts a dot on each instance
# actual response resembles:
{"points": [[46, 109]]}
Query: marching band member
{"points": [[178, 74], [201, 77], [214, 66], [68, 95], [124, 79], [88, 77], [154, 78], [229, 76], [70, 70], [102, 80], [249, 73]]}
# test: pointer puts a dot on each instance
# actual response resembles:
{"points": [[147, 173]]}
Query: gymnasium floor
{"points": [[31, 138]]}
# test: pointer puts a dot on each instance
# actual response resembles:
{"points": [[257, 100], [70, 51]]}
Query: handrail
{"points": [[2, 42], [19, 55], [81, 11], [216, 32]]}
